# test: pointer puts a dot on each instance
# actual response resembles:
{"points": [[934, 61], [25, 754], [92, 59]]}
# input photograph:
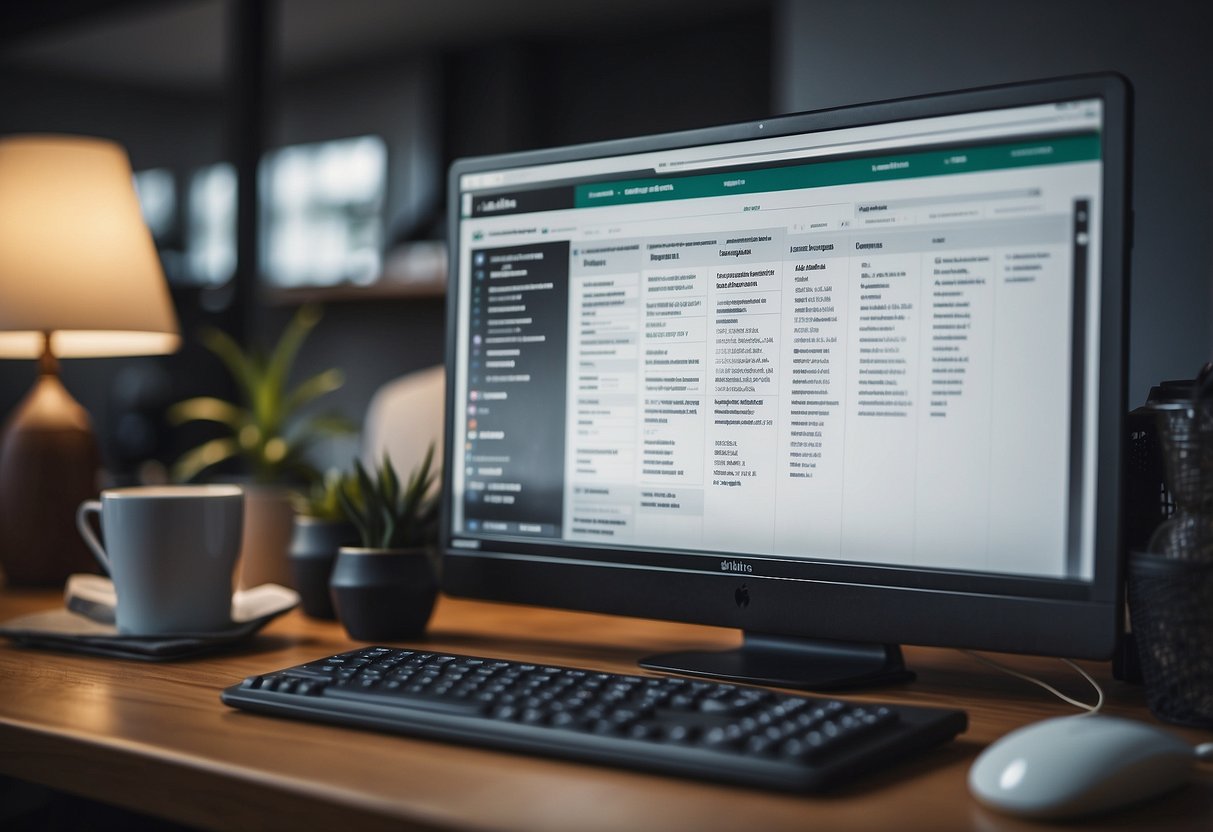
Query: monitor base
{"points": [[800, 663]]}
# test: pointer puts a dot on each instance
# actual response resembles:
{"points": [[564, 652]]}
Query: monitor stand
{"points": [[801, 663]]}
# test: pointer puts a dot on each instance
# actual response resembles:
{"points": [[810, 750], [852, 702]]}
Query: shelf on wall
{"points": [[410, 271]]}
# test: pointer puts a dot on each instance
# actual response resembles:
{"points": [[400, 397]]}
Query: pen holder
{"points": [[1171, 585], [1186, 432], [1171, 604]]}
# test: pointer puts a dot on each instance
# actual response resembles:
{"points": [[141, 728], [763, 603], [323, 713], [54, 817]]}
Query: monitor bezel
{"points": [[1009, 614]]}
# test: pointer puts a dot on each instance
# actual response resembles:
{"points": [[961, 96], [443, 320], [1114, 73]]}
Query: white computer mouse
{"points": [[1078, 765]]}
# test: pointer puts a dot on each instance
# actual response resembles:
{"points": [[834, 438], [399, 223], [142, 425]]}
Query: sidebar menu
{"points": [[514, 452]]}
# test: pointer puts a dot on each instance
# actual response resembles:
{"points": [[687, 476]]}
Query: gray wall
{"points": [[834, 53]]}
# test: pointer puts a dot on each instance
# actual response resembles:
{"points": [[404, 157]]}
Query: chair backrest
{"points": [[404, 417]]}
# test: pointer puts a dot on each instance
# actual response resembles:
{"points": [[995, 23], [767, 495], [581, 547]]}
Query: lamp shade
{"points": [[76, 259]]}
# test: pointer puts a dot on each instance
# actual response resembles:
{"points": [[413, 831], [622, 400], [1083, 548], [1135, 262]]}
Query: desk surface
{"points": [[154, 737]]}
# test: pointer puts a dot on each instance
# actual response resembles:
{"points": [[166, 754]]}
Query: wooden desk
{"points": [[155, 738]]}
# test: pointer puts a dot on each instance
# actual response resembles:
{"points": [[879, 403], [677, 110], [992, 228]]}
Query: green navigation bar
{"points": [[1082, 148]]}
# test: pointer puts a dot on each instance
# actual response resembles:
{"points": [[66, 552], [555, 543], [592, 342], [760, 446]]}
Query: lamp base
{"points": [[48, 466]]}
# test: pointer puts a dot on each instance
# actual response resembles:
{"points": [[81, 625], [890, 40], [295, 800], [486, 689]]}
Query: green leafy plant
{"points": [[266, 428], [392, 516], [323, 500]]}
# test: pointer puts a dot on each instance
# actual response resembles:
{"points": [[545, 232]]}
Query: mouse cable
{"points": [[1090, 709], [1204, 751]]}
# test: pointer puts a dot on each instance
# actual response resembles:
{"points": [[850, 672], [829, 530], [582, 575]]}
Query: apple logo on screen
{"points": [[742, 596]]}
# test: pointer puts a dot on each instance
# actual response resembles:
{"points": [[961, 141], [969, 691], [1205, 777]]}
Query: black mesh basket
{"points": [[1171, 603]]}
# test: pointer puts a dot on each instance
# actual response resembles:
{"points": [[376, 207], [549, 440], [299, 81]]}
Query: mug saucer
{"points": [[70, 630], [93, 597]]}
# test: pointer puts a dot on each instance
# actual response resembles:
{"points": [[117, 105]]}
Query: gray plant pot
{"points": [[314, 545], [384, 594]]}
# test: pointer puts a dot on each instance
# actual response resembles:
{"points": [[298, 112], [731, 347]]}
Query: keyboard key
{"points": [[404, 699]]}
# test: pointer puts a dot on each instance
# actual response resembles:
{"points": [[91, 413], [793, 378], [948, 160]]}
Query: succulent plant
{"points": [[323, 502], [392, 516]]}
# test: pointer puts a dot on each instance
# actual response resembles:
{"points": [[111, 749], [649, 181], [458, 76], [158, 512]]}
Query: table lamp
{"points": [[79, 278]]}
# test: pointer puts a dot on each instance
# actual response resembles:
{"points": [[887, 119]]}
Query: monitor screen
{"points": [[869, 356]]}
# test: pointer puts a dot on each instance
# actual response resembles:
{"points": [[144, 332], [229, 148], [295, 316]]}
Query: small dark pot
{"points": [[384, 594], [314, 546]]}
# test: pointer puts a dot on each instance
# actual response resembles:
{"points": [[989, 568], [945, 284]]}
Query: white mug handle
{"points": [[82, 513]]}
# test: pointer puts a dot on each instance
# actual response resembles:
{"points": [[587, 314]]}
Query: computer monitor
{"points": [[843, 380]]}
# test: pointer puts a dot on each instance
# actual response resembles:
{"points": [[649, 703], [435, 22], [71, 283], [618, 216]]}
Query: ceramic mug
{"points": [[170, 551]]}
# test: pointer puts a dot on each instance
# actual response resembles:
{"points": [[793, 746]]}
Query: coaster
{"points": [[87, 625]]}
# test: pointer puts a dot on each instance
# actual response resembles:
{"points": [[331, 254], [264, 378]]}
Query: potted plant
{"points": [[320, 529], [384, 590], [264, 428]]}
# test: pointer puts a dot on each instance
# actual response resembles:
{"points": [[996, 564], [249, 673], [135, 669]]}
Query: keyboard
{"points": [[725, 732]]}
